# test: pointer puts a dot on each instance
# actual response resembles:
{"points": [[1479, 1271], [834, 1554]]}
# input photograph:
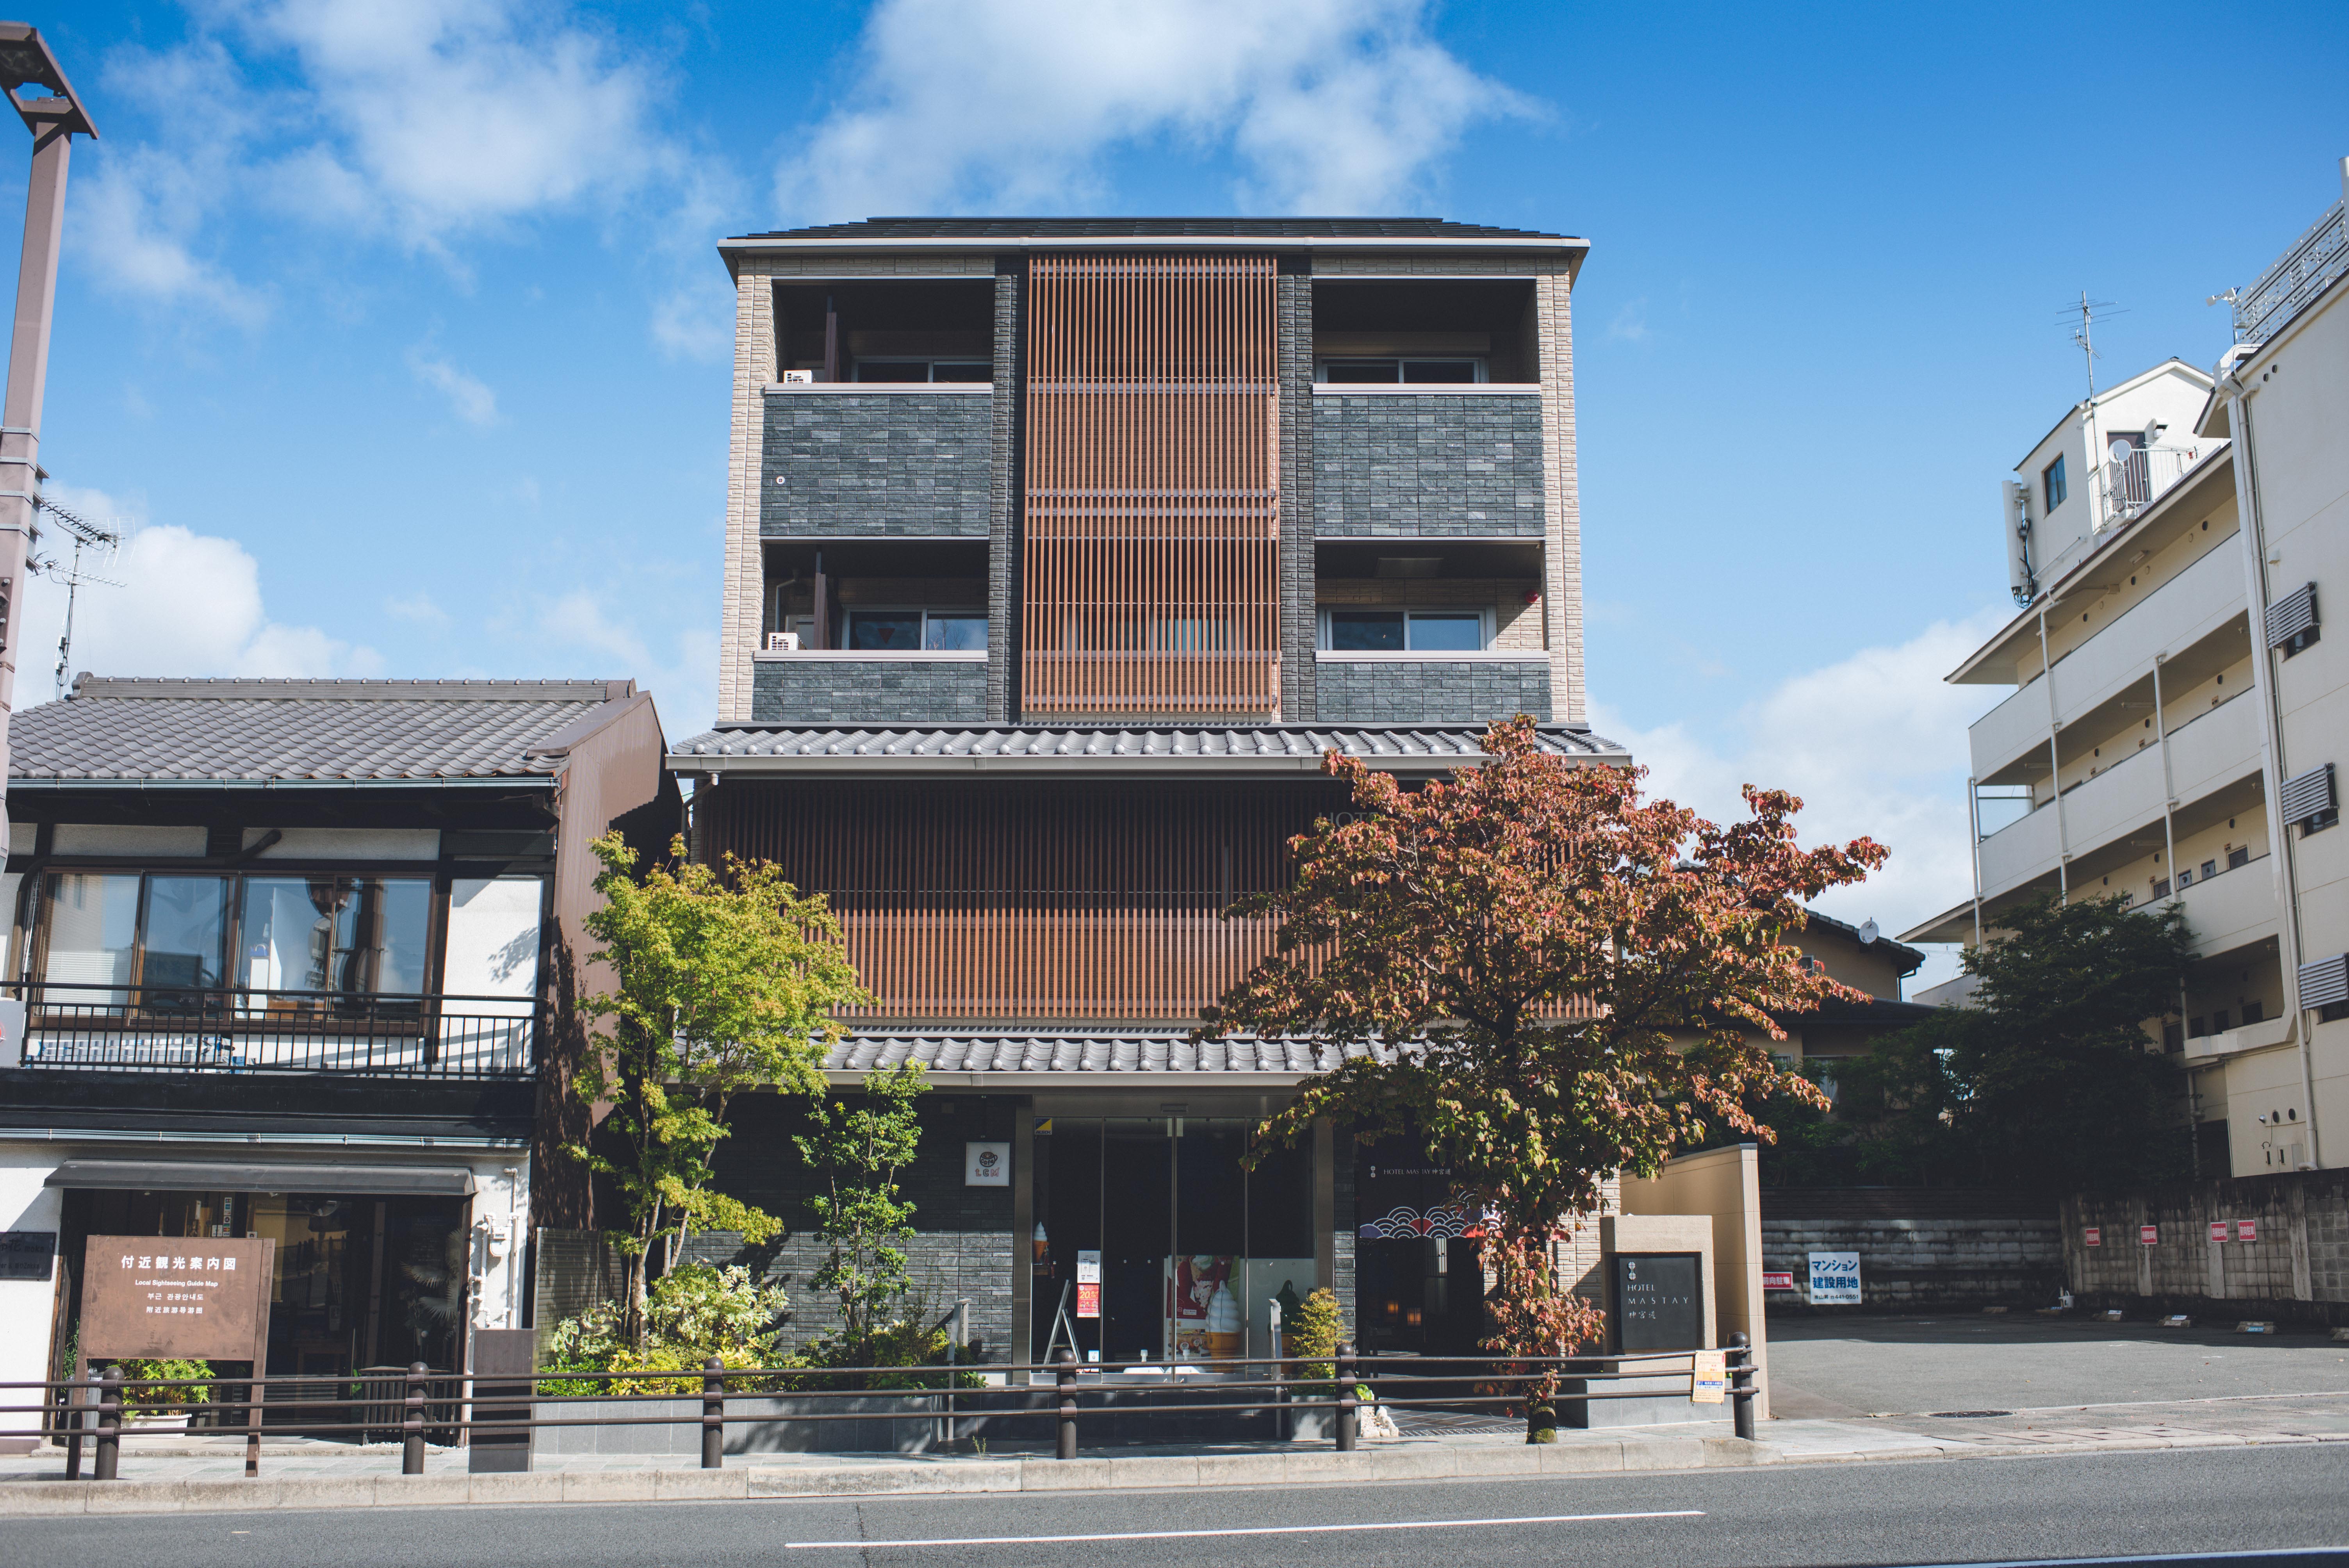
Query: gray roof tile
{"points": [[1107, 1052], [1401, 745], [985, 229], [248, 731]]}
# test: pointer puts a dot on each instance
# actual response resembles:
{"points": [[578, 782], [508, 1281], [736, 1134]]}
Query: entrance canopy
{"points": [[263, 1176]]}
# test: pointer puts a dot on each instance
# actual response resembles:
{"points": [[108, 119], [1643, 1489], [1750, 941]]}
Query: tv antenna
{"points": [[86, 536], [2089, 312]]}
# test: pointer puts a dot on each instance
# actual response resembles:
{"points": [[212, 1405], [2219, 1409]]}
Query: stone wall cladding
{"points": [[1350, 691], [906, 465], [742, 610], [892, 691], [1298, 516], [1443, 464], [1004, 490], [2005, 1260]]}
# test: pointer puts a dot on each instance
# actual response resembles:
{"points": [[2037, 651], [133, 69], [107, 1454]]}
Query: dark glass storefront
{"points": [[1153, 1242], [360, 1282], [1419, 1274]]}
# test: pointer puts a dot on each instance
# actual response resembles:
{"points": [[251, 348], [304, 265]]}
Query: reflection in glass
{"points": [[1366, 631], [354, 936], [954, 632], [186, 938], [879, 630], [1431, 633], [93, 931]]}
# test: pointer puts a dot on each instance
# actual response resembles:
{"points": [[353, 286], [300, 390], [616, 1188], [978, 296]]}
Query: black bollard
{"points": [[411, 1449], [1064, 1373], [713, 1414], [1349, 1408], [1740, 1384], [109, 1425]]}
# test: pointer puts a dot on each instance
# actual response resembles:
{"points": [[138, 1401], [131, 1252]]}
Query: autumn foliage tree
{"points": [[1544, 978]]}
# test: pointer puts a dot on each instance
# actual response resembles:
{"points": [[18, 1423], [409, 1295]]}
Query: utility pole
{"points": [[55, 118]]}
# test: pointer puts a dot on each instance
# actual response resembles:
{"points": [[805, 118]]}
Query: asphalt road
{"points": [[1930, 1512], [1881, 1366]]}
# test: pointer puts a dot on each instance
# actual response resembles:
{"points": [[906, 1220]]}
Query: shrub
{"points": [[692, 1312], [152, 1399], [1319, 1325]]}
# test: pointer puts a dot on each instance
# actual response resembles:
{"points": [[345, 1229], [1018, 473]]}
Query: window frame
{"points": [[957, 611], [2054, 487], [1323, 633], [930, 362], [1483, 364]]}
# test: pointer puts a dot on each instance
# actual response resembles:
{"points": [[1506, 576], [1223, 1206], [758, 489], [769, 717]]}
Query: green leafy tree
{"points": [[862, 1215], [727, 980], [1546, 978], [692, 1312]]}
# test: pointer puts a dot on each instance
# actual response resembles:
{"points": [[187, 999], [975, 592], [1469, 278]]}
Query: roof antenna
{"points": [[86, 536], [2090, 312]]}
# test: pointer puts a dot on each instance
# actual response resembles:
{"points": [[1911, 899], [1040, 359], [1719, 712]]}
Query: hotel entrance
{"points": [[1153, 1242]]}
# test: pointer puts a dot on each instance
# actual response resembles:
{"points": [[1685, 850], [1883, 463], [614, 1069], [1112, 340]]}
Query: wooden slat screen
{"points": [[1027, 900], [1150, 559]]}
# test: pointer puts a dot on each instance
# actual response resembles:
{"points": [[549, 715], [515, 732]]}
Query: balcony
{"points": [[1427, 462], [2216, 749], [1430, 688], [179, 1030], [869, 687], [909, 460], [2174, 617], [2304, 271], [2233, 909], [2136, 480], [2257, 1037]]}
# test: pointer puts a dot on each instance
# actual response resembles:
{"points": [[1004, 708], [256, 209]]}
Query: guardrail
{"points": [[94, 1409], [185, 1028]]}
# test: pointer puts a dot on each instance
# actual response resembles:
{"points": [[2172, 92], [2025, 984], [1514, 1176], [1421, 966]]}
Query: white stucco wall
{"points": [[24, 1304]]}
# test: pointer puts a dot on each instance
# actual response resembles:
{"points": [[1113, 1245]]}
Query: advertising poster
{"points": [[1088, 1284], [1205, 1316]]}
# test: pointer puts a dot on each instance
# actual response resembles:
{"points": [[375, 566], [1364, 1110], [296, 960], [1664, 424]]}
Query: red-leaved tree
{"points": [[1547, 979]]}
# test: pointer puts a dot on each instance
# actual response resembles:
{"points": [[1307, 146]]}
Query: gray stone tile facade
{"points": [[906, 464], [1414, 691], [1447, 464], [869, 691]]}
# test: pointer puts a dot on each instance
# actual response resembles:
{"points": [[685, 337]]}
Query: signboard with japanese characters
{"points": [[175, 1297], [1659, 1301], [2247, 1229], [2093, 1235], [1089, 1284], [2217, 1230], [987, 1165], [1834, 1279], [2148, 1236]]}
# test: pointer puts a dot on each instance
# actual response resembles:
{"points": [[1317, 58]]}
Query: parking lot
{"points": [[1862, 1365]]}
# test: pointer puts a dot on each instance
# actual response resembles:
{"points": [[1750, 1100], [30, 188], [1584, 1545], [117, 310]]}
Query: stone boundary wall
{"points": [[2295, 1269], [1913, 1264]]}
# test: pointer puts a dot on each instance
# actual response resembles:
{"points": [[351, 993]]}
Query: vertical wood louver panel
{"points": [[1150, 559]]}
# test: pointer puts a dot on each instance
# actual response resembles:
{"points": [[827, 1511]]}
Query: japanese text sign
{"points": [[153, 1297]]}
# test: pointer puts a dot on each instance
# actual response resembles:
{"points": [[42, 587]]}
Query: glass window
{"points": [[1438, 371], [93, 934], [1446, 632], [2051, 484], [354, 936], [1366, 631], [962, 370], [880, 631], [892, 370], [954, 631], [186, 936], [1342, 372]]}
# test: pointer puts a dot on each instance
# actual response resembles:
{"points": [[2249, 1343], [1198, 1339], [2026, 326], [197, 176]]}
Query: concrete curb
{"points": [[1150, 1471]]}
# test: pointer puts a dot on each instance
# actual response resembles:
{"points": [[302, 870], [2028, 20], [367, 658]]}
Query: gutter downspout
{"points": [[2169, 859], [2252, 528], [2054, 766]]}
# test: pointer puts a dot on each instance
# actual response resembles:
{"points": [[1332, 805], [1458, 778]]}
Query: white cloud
{"points": [[582, 633], [174, 602], [1874, 744], [1333, 106], [417, 607], [467, 396]]}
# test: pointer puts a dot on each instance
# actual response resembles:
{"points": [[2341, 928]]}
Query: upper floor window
{"points": [[2051, 483], [1404, 631], [910, 630], [1430, 371], [923, 370]]}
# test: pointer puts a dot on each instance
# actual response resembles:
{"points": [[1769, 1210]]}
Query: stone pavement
{"points": [[207, 1474]]}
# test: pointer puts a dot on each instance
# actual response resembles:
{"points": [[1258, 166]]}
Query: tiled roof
{"points": [[254, 731], [1073, 748], [1153, 227], [1022, 1051]]}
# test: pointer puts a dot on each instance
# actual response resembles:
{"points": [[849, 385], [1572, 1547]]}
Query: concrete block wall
{"points": [[2297, 1270], [1414, 691], [798, 690], [1932, 1262], [1435, 464], [904, 464]]}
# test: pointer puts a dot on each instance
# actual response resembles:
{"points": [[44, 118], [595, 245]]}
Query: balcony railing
{"points": [[2135, 482], [182, 1029], [2298, 276]]}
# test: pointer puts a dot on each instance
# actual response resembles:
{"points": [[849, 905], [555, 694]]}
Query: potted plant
{"points": [[161, 1408]]}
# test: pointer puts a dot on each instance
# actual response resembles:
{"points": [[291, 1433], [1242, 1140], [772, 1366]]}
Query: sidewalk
{"points": [[174, 1475]]}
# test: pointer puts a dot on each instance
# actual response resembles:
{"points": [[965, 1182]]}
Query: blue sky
{"points": [[398, 333]]}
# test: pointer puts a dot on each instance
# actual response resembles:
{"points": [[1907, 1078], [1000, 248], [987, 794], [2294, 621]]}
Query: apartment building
{"points": [[2176, 717], [1059, 551]]}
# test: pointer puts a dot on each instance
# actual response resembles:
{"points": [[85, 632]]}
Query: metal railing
{"points": [[2141, 477], [184, 1029], [2306, 269], [449, 1407]]}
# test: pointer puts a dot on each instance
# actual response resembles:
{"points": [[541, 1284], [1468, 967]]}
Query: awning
{"points": [[265, 1176]]}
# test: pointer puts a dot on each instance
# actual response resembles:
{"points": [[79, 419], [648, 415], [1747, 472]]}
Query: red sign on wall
{"points": [[2217, 1230], [2247, 1229], [2093, 1235], [1785, 1281], [2150, 1236]]}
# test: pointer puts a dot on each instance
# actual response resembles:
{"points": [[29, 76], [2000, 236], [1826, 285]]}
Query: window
{"points": [[1416, 371], [2238, 858], [902, 370], [2051, 483], [2253, 1013], [2218, 1022], [2161, 887], [2210, 870], [910, 630], [2185, 878], [1403, 630], [344, 936]]}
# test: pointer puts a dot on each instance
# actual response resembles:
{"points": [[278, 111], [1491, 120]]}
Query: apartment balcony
{"points": [[2233, 909], [177, 1030], [1453, 687], [2259, 1037], [1415, 461], [2293, 280], [2174, 616], [2136, 481], [866, 459], [2218, 747], [869, 687]]}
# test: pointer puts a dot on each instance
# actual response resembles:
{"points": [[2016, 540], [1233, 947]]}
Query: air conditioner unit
{"points": [[782, 642], [799, 377]]}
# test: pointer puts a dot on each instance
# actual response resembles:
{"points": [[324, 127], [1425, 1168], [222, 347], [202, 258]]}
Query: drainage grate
{"points": [[1966, 1415]]}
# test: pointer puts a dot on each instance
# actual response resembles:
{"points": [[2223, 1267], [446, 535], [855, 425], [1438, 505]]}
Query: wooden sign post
{"points": [[197, 1298]]}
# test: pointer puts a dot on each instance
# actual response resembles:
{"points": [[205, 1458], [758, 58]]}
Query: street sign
{"points": [[2092, 1235], [1834, 1279], [2217, 1230], [174, 1298], [2148, 1236]]}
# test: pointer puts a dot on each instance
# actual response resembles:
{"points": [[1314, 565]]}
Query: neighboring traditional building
{"points": [[2178, 717], [288, 957], [1059, 551]]}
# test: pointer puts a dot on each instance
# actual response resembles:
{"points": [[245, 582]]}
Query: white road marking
{"points": [[1258, 1530]]}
